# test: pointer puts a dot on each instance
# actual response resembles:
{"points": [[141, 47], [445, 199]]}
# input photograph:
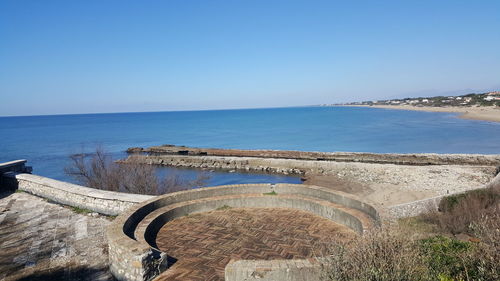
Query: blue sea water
{"points": [[46, 141]]}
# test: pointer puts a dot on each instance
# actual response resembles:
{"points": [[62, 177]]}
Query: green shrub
{"points": [[270, 193], [393, 254], [449, 202], [445, 257], [79, 210]]}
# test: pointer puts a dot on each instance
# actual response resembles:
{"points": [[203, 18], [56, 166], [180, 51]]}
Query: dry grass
{"points": [[98, 170], [383, 254], [487, 254], [457, 212], [413, 251]]}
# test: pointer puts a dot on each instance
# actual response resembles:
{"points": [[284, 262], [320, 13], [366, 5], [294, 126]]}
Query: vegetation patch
{"points": [[418, 225], [445, 256], [270, 193], [99, 170], [224, 207], [487, 197], [457, 213], [80, 210], [460, 242]]}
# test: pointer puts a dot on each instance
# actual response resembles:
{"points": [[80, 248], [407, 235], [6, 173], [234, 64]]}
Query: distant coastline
{"points": [[483, 106], [484, 113]]}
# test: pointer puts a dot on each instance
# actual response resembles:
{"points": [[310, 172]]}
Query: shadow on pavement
{"points": [[77, 274]]}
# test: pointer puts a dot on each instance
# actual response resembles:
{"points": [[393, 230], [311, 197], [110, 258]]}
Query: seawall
{"points": [[360, 157]]}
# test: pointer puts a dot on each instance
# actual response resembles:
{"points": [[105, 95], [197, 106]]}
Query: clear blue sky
{"points": [[113, 56]]}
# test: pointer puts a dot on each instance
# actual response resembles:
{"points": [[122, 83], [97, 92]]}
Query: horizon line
{"points": [[156, 111], [236, 108]]}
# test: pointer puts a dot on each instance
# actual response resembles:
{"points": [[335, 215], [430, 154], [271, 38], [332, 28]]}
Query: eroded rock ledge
{"points": [[363, 157]]}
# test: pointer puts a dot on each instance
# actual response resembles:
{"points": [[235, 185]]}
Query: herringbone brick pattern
{"points": [[204, 243]]}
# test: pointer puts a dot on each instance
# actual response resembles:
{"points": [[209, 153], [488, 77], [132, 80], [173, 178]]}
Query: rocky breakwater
{"points": [[363, 157]]}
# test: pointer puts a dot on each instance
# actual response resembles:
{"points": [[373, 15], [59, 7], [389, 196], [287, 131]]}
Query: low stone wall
{"points": [[16, 166], [414, 208], [417, 207], [100, 201], [290, 270], [132, 250], [128, 259]]}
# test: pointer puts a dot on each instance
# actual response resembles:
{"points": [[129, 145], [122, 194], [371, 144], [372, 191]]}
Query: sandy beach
{"points": [[474, 113]]}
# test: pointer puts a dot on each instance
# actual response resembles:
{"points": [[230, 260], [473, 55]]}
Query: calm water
{"points": [[46, 141]]}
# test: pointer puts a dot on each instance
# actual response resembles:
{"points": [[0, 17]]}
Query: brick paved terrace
{"points": [[40, 240], [44, 241], [204, 243]]}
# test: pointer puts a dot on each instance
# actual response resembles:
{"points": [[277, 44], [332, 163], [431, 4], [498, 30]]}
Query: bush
{"points": [[485, 198], [450, 259], [457, 212], [382, 255], [98, 170], [487, 254], [395, 253], [446, 257]]}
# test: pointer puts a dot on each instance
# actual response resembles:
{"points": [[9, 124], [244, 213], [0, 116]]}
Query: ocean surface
{"points": [[47, 141]]}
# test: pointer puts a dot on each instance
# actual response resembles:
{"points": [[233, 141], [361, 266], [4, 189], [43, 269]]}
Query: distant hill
{"points": [[473, 99]]}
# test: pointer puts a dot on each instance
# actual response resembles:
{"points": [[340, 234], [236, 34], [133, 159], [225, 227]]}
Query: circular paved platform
{"points": [[204, 243]]}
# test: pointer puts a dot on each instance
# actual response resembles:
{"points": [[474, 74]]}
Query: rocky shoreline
{"points": [[381, 179]]}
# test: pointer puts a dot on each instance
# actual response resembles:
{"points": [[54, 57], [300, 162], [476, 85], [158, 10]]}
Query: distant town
{"points": [[483, 99]]}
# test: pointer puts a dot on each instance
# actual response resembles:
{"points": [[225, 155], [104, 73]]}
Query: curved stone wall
{"points": [[132, 247], [148, 232]]}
